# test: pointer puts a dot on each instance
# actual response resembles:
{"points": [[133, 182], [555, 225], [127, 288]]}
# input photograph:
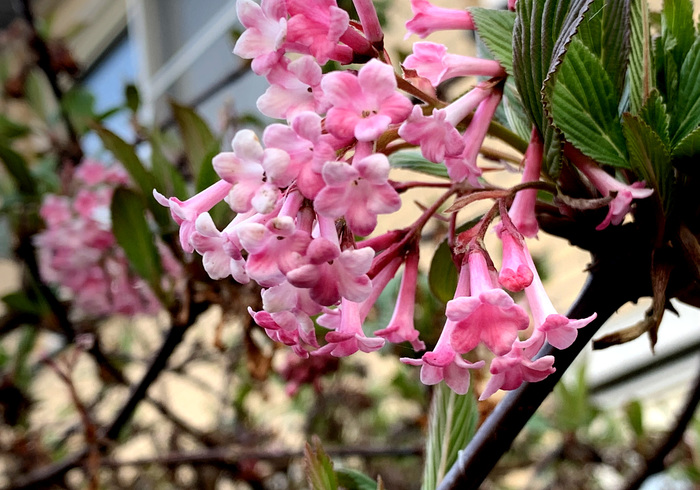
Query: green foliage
{"points": [[633, 411], [495, 29], [354, 480], [640, 60], [319, 467], [17, 166], [413, 160], [443, 273], [574, 408], [686, 114], [453, 421]]}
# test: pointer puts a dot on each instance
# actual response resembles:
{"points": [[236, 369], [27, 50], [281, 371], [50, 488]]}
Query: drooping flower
{"points": [[428, 18], [522, 212], [509, 371], [347, 336], [432, 61], [515, 274], [435, 136]]}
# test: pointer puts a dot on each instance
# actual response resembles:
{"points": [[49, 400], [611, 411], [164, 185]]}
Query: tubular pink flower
{"points": [[401, 328], [458, 110], [557, 329], [428, 19], [220, 250], [185, 213], [359, 191], [608, 185], [265, 34], [515, 274], [316, 28], [369, 20], [348, 337], [435, 136], [489, 314], [363, 106], [431, 60], [522, 212], [510, 370]]}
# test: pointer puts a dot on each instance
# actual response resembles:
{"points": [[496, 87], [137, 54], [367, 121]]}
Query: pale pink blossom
{"points": [[435, 136], [371, 27], [347, 336], [265, 34], [220, 250], [522, 211], [432, 61], [509, 371], [364, 105], [428, 18], [515, 274], [316, 28]]}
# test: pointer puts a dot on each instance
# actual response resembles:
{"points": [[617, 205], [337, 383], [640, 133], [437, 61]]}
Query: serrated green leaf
{"points": [[141, 177], [443, 274], [199, 142], [413, 160], [17, 166], [677, 23], [453, 421], [616, 41], [640, 61], [688, 146], [649, 157], [514, 111], [134, 236], [319, 467], [653, 112], [495, 28], [584, 107], [685, 115], [354, 480]]}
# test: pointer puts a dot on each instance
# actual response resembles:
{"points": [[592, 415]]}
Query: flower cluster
{"points": [[307, 191], [78, 252]]}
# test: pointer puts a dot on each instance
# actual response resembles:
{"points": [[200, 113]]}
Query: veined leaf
{"points": [[133, 235], [686, 112], [200, 143], [677, 23], [654, 114], [584, 107], [688, 146], [640, 64], [413, 160], [319, 467], [650, 158], [453, 421], [354, 480], [495, 28]]}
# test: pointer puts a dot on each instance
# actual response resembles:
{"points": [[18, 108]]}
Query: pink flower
{"points": [[295, 87], [255, 173], [431, 60], [608, 185], [363, 106], [428, 19], [316, 28], [510, 370], [435, 136], [488, 314], [266, 30], [369, 20], [359, 191], [347, 337], [220, 250], [522, 211], [185, 213], [400, 328], [515, 272]]}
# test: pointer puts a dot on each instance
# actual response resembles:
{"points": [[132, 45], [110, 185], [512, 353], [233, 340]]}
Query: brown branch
{"points": [[655, 462]]}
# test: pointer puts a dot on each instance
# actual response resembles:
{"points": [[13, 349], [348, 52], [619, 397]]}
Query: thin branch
{"points": [[655, 462]]}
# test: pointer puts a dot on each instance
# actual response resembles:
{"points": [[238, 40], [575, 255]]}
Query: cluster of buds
{"points": [[78, 252], [310, 188]]}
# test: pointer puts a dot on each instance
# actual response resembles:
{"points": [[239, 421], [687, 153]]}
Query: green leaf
{"points": [[79, 105], [654, 114], [22, 369], [649, 157], [133, 99], [584, 107], [640, 61], [514, 111], [142, 178], [685, 116], [574, 408], [616, 41], [199, 142], [413, 160], [133, 235], [17, 167], [319, 467], [10, 129], [453, 421], [495, 28], [688, 146], [355, 480], [443, 274], [20, 301], [677, 24], [633, 410]]}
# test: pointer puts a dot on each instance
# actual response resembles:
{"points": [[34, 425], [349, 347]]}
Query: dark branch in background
{"points": [[620, 273], [73, 151], [655, 462]]}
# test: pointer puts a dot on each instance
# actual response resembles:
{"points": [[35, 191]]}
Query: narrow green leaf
{"points": [[649, 157], [141, 177], [640, 61], [685, 116], [133, 99], [654, 114], [22, 369], [319, 467], [616, 41], [443, 274], [584, 107], [20, 301], [413, 160], [11, 129], [133, 235], [198, 140], [633, 410], [79, 105], [677, 23], [354, 480], [514, 111], [495, 28], [453, 421], [17, 167]]}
